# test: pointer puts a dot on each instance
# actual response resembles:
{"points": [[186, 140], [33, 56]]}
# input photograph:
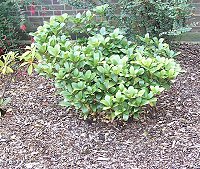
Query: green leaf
{"points": [[147, 62], [54, 51], [140, 71], [9, 70], [132, 91], [132, 70], [125, 116], [78, 15], [80, 85], [103, 31], [25, 55], [171, 73], [138, 101], [94, 108], [153, 101], [88, 74], [65, 103], [136, 115], [108, 98], [115, 33], [114, 77], [144, 102], [76, 72], [43, 48], [121, 87], [110, 84], [24, 63], [118, 95], [69, 88], [1, 63], [5, 101], [100, 69], [107, 101], [65, 16], [88, 13], [79, 95], [156, 89], [141, 92], [150, 95], [75, 86], [96, 58], [115, 59]]}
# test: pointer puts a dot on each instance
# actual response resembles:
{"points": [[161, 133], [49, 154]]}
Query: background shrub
{"points": [[13, 24], [137, 17], [103, 72], [10, 22]]}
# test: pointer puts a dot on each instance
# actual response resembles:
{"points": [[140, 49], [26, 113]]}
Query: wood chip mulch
{"points": [[36, 133]]}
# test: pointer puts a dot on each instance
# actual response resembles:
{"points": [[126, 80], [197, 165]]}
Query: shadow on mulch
{"points": [[37, 133]]}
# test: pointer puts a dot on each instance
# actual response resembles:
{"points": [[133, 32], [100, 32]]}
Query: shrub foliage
{"points": [[160, 18], [103, 72], [10, 22]]}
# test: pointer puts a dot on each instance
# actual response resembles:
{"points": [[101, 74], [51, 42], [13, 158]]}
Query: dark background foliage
{"points": [[160, 18]]}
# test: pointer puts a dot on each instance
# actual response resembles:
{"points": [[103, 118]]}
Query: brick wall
{"points": [[44, 12], [54, 7], [196, 17]]}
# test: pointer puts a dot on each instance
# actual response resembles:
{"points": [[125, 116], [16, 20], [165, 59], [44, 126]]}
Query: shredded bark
{"points": [[37, 133]]}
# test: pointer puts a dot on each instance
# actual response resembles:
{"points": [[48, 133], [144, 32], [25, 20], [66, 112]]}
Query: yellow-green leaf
{"points": [[30, 69]]}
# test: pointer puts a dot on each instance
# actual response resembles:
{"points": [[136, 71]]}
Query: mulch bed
{"points": [[37, 133]]}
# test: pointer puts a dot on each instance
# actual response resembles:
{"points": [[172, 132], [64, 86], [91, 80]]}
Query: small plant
{"points": [[102, 73], [7, 62], [9, 65], [3, 103], [29, 58]]}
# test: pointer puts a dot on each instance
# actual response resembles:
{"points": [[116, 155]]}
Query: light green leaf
{"points": [[65, 103], [24, 63], [141, 92], [88, 74], [121, 87], [132, 70], [118, 95], [30, 69], [9, 70], [78, 15], [125, 116], [25, 55], [88, 13], [103, 31], [100, 69], [54, 51], [1, 63], [132, 91], [171, 73]]}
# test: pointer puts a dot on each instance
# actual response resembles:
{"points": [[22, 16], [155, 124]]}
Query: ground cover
{"points": [[37, 133]]}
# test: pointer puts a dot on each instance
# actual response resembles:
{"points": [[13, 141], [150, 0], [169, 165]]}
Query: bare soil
{"points": [[37, 133]]}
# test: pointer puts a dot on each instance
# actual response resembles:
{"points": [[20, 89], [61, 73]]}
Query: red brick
{"points": [[57, 12], [46, 13], [70, 12], [47, 2], [56, 2]]}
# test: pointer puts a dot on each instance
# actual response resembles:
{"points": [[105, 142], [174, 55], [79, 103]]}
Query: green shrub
{"points": [[103, 73], [138, 17]]}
